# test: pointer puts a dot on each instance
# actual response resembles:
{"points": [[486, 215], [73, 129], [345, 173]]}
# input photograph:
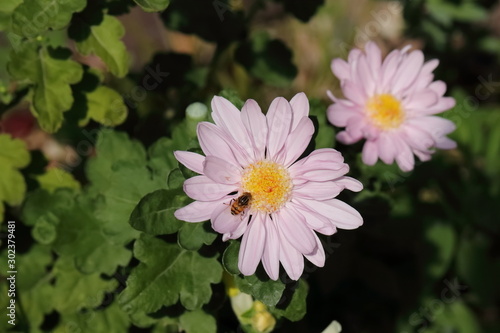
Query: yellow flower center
{"points": [[269, 184], [385, 111]]}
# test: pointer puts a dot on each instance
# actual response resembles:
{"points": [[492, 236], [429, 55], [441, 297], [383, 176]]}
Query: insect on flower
{"points": [[241, 203]]}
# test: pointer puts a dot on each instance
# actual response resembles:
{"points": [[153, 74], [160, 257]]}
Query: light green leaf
{"points": [[153, 5], [76, 291], [56, 178], [267, 291], [110, 319], [177, 273], [155, 212], [44, 231], [51, 73], [34, 17], [33, 282], [95, 245], [192, 236], [197, 322], [105, 106], [104, 41], [175, 179], [6, 10], [324, 136], [295, 308], [13, 156]]}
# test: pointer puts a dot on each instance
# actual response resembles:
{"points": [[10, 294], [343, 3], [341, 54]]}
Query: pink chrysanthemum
{"points": [[249, 152], [392, 104]]}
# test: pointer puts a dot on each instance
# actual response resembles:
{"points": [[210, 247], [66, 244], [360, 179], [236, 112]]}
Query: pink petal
{"points": [[221, 171], [439, 87], [279, 120], [389, 68], [300, 108], [239, 230], [227, 116], [294, 229], [405, 159], [323, 160], [340, 68], [291, 259], [213, 142], [374, 57], [421, 100], [317, 257], [417, 138], [314, 220], [252, 245], [443, 104], [338, 114], [370, 153], [271, 255], [350, 183], [203, 188], [445, 143], [318, 190], [190, 160], [354, 93], [197, 211], [255, 122], [341, 214], [408, 71], [387, 148], [223, 221], [298, 141]]}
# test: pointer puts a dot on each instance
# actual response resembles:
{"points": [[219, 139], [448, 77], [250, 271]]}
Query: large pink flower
{"points": [[249, 152], [392, 104]]}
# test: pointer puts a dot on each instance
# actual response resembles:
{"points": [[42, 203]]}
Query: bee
{"points": [[240, 204]]}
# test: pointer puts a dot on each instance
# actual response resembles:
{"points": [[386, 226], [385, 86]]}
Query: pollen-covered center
{"points": [[269, 184], [385, 111]]}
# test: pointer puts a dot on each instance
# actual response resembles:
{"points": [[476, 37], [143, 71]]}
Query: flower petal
{"points": [[228, 117], [341, 214], [214, 142], [197, 211], [223, 221], [192, 161], [370, 153], [291, 259], [317, 257], [298, 141], [221, 171], [271, 255], [252, 245], [255, 122], [293, 227], [203, 188], [279, 120], [300, 108]]}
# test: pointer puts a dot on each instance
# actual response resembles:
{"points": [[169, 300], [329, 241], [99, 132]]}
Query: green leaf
{"points": [[230, 258], [175, 179], [441, 240], [6, 11], [33, 283], [105, 106], [153, 5], [177, 273], [95, 245], [40, 203], [51, 72], [266, 290], [76, 291], [296, 308], [161, 158], [192, 236], [13, 156], [155, 212], [110, 319], [197, 322], [268, 60], [44, 231], [34, 17], [104, 41], [56, 178]]}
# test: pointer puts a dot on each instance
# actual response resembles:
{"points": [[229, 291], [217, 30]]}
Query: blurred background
{"points": [[427, 258]]}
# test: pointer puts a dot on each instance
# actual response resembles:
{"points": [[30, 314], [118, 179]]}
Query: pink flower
{"points": [[391, 104], [249, 152]]}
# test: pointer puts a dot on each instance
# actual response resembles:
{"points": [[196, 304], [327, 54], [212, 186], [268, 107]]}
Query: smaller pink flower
{"points": [[392, 104], [252, 157]]}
